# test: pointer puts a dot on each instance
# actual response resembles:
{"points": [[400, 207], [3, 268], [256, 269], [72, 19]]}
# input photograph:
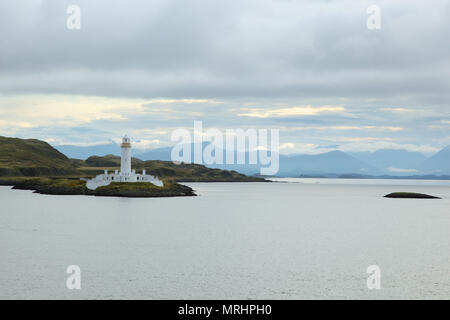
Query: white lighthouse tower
{"points": [[125, 160], [125, 174]]}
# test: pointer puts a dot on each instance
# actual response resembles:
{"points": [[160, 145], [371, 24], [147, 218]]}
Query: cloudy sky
{"points": [[311, 68]]}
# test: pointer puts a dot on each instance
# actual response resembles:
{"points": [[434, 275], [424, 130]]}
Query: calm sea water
{"points": [[295, 239]]}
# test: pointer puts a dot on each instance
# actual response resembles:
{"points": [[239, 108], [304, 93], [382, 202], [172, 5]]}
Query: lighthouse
{"points": [[125, 174], [125, 161]]}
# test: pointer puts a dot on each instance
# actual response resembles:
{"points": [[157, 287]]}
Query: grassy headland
{"points": [[31, 157], [35, 165]]}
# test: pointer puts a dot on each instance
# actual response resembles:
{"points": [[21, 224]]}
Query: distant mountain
{"points": [[391, 161], [156, 154], [336, 162], [437, 164], [84, 152], [31, 157], [165, 155], [382, 162]]}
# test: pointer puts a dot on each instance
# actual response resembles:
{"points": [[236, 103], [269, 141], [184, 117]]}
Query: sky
{"points": [[312, 69]]}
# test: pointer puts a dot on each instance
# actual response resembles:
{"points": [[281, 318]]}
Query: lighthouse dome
{"points": [[126, 142]]}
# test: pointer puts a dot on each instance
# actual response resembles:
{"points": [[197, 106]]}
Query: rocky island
{"points": [[70, 186], [409, 195]]}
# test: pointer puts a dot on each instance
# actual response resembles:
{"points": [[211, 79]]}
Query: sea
{"points": [[286, 239]]}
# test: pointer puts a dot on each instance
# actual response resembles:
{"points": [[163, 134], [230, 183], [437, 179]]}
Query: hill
{"points": [[392, 161], [32, 157], [336, 162], [84, 152], [156, 154], [109, 160]]}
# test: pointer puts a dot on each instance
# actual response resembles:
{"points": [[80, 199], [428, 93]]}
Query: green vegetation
{"points": [[410, 195], [31, 157], [109, 161]]}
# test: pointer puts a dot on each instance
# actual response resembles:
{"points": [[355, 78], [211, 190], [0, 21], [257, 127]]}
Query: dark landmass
{"points": [[409, 195], [142, 189], [35, 158], [31, 164], [64, 186]]}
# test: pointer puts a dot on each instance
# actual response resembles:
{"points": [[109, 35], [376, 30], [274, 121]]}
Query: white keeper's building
{"points": [[126, 174]]}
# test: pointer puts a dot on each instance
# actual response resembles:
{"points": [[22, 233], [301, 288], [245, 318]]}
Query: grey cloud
{"points": [[272, 54], [232, 49]]}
